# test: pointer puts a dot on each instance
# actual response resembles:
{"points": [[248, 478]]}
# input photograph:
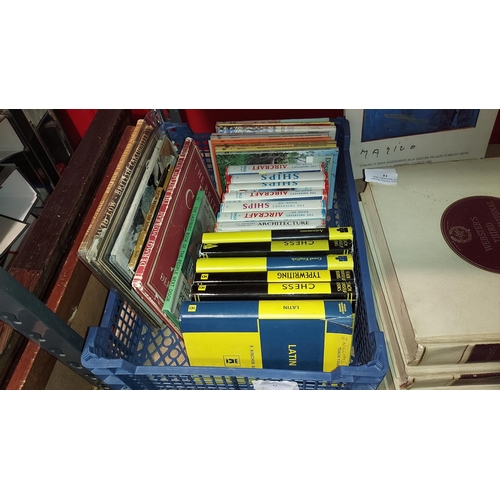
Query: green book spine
{"points": [[202, 219]]}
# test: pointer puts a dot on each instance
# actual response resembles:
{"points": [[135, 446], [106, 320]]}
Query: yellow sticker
{"points": [[192, 308]]}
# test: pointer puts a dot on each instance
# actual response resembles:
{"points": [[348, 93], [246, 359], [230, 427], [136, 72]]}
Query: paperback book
{"points": [[273, 194], [266, 224], [272, 127], [315, 213], [280, 176], [318, 185], [280, 205], [273, 167]]}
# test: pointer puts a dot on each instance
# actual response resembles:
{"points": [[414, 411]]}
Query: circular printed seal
{"points": [[471, 228]]}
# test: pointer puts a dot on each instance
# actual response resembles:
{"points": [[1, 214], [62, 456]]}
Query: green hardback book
{"points": [[202, 219]]}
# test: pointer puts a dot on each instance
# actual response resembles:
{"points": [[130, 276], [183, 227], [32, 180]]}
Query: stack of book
{"points": [[136, 234], [311, 264], [433, 243], [288, 277], [141, 164], [274, 160], [153, 275], [259, 197]]}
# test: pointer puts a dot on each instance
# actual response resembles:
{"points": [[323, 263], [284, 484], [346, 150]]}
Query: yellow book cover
{"points": [[310, 335]]}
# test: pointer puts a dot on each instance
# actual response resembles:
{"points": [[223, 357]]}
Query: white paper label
{"points": [[269, 385], [309, 159], [381, 175]]}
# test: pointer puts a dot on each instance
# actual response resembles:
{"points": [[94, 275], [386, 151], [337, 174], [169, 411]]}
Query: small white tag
{"points": [[381, 175], [269, 385], [309, 159]]}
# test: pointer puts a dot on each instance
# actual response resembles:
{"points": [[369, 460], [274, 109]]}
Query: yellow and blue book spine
{"points": [[251, 264], [327, 233], [280, 247], [294, 276], [310, 335], [333, 290]]}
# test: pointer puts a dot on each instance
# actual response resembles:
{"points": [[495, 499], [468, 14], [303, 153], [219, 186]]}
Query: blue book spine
{"points": [[275, 263]]}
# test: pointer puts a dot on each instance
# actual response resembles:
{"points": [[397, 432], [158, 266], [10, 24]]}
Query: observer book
{"points": [[273, 194], [312, 335], [257, 224], [446, 306], [237, 170], [285, 205], [154, 271], [307, 214]]}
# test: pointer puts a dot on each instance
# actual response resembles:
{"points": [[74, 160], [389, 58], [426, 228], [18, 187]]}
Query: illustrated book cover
{"points": [[94, 250], [162, 158], [154, 271], [202, 220], [306, 153]]}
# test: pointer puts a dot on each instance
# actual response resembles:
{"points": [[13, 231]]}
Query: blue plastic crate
{"points": [[125, 350]]}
